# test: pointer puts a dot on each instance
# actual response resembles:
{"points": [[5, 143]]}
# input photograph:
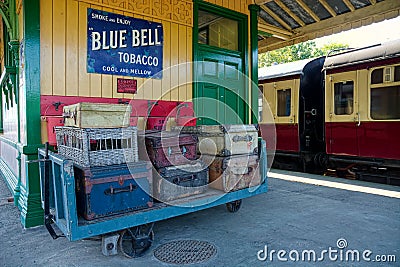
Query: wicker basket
{"points": [[89, 147]]}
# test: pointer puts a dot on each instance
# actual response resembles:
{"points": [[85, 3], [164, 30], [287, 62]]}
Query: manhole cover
{"points": [[185, 251]]}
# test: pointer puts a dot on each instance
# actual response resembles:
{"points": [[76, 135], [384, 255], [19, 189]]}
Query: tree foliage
{"points": [[296, 52]]}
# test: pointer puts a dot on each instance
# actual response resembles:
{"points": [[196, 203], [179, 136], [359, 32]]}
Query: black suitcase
{"points": [[181, 181], [115, 189]]}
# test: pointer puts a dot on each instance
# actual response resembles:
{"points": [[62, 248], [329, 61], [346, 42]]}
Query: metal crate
{"points": [[89, 147]]}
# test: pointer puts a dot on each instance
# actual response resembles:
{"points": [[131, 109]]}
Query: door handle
{"points": [[358, 119]]}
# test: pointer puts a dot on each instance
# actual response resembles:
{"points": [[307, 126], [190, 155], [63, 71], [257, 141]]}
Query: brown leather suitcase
{"points": [[234, 172]]}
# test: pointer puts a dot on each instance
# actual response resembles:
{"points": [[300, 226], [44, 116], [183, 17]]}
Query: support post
{"points": [[30, 200], [254, 10]]}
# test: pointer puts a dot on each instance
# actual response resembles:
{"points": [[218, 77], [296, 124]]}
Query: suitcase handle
{"points": [[70, 115], [113, 191], [238, 138], [182, 150], [179, 180]]}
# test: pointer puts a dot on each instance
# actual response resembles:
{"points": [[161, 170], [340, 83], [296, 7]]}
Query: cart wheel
{"points": [[234, 206], [134, 242]]}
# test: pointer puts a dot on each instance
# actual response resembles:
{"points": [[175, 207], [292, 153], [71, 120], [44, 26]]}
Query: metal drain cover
{"points": [[185, 251]]}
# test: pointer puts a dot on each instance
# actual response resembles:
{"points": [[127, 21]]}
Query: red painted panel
{"points": [[287, 137], [341, 138], [268, 133], [283, 137], [48, 104], [379, 139], [53, 105]]}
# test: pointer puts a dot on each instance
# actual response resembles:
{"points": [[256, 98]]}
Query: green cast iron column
{"points": [[29, 201], [254, 9], [11, 71]]}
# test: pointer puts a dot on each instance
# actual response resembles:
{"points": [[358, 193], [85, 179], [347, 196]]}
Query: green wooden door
{"points": [[220, 88]]}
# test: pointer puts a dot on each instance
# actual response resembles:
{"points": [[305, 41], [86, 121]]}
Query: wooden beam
{"points": [[349, 5], [328, 8], [290, 12], [309, 10], [276, 17], [265, 27], [276, 34], [360, 17], [267, 43], [262, 2], [350, 17]]}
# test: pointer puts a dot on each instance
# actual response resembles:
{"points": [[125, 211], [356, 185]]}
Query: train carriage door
{"points": [[342, 114], [285, 94], [220, 52]]}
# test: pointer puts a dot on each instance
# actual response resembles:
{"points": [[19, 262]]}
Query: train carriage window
{"points": [[344, 97], [377, 76], [284, 102], [397, 74], [385, 103]]}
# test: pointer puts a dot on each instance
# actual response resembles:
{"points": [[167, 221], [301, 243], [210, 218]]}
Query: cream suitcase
{"points": [[96, 115], [224, 140]]}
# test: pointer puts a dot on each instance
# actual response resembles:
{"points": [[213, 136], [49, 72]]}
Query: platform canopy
{"points": [[287, 22]]}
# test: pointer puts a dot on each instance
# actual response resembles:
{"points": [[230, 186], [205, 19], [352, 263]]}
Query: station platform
{"points": [[300, 214]]}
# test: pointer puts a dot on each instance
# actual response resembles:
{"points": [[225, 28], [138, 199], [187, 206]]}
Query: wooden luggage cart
{"points": [[132, 232]]}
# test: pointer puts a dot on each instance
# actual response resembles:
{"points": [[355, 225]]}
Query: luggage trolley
{"points": [[131, 232]]}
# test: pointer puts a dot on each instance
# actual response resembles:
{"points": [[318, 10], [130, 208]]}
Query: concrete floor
{"points": [[291, 216]]}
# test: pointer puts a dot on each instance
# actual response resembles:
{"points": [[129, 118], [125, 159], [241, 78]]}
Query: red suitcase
{"points": [[166, 149]]}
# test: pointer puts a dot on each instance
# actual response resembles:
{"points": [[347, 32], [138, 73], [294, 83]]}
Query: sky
{"points": [[367, 35]]}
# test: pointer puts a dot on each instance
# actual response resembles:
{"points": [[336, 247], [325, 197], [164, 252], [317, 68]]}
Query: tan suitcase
{"points": [[234, 172], [224, 140], [96, 115]]}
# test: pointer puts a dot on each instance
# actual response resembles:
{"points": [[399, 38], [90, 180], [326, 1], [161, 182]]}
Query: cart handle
{"points": [[48, 217]]}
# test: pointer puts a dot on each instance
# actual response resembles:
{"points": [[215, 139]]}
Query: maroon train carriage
{"points": [[341, 112]]}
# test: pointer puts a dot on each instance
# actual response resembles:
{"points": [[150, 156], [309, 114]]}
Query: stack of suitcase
{"points": [[231, 152], [109, 177], [177, 171]]}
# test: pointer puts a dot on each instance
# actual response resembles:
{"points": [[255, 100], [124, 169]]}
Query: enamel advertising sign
{"points": [[126, 46]]}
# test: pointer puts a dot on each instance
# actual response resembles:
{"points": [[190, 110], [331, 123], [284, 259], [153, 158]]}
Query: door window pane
{"points": [[218, 31], [344, 98], [260, 101], [284, 98], [385, 103]]}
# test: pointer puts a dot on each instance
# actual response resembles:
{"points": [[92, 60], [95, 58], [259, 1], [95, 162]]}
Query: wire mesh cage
{"points": [[88, 147]]}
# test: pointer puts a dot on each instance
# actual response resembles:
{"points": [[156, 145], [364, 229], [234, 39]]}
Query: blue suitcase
{"points": [[115, 189]]}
